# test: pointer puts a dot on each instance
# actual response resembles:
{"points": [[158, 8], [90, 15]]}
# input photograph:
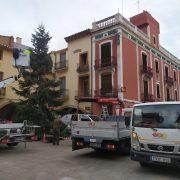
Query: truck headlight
{"points": [[135, 142]]}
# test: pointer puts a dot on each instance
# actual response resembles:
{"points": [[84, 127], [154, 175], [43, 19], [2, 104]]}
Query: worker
{"points": [[56, 131]]}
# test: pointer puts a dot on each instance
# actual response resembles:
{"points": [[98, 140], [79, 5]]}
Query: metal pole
{"points": [[138, 6], [122, 6]]}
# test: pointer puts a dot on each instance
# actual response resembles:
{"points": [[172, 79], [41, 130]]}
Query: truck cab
{"points": [[155, 133]]}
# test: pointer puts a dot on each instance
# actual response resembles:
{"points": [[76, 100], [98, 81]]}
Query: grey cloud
{"points": [[64, 17]]}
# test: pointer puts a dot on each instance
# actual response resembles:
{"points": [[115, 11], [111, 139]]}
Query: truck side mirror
{"points": [[127, 121]]}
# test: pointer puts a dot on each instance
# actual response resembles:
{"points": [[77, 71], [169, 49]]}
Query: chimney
{"points": [[18, 40]]}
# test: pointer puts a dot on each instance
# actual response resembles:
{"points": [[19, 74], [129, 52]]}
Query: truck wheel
{"points": [[12, 144], [143, 164]]}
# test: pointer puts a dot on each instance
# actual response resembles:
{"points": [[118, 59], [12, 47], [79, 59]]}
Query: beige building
{"points": [[7, 70], [72, 66]]}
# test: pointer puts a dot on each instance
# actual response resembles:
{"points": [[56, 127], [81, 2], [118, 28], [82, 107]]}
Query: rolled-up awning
{"points": [[109, 100]]}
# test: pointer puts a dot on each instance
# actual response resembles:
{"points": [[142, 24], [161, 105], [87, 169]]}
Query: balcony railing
{"points": [[84, 93], [63, 94], [147, 71], [116, 19], [2, 92], [83, 68], [147, 98], [170, 99], [169, 81], [106, 63], [61, 65], [106, 93]]}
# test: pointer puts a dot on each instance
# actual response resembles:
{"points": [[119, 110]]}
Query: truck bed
{"points": [[101, 130]]}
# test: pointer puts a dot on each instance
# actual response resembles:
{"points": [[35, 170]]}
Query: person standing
{"points": [[56, 131]]}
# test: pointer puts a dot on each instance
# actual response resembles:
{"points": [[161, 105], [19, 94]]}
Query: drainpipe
{"points": [[91, 72]]}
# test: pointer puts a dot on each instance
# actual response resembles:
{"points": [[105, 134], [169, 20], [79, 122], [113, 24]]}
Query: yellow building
{"points": [[72, 66], [7, 70]]}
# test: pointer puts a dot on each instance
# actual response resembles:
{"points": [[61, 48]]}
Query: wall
{"points": [[8, 70]]}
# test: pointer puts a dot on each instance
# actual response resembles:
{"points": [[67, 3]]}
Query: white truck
{"points": [[155, 136], [11, 134], [111, 133]]}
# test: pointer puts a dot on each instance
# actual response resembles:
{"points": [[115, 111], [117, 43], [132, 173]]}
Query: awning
{"points": [[109, 100]]}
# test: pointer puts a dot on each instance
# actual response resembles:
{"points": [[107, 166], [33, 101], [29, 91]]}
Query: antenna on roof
{"points": [[138, 2], [122, 6]]}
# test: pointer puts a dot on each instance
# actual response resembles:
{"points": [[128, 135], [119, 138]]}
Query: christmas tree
{"points": [[37, 87]]}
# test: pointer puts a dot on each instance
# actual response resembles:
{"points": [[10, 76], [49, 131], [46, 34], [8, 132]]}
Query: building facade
{"points": [[120, 61], [72, 66], [7, 70]]}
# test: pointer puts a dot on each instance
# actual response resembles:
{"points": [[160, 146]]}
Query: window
{"points": [[146, 91], [106, 83], [84, 59], [1, 76], [63, 83], [175, 76], [63, 57], [168, 94], [62, 86], [84, 86], [106, 53], [144, 61], [176, 95], [158, 90], [63, 62], [166, 72], [1, 54], [154, 40], [157, 66]]}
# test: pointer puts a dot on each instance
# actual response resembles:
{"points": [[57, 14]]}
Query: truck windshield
{"points": [[157, 116]]}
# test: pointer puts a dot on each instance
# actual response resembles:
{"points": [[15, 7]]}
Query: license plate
{"points": [[93, 140], [95, 145], [160, 159]]}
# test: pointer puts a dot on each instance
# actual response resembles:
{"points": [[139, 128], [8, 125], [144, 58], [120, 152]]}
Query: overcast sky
{"points": [[65, 17]]}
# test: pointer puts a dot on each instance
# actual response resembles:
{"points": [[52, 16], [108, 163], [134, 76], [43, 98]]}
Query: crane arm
{"points": [[8, 81]]}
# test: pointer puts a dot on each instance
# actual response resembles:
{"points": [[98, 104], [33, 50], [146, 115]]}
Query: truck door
{"points": [[78, 122]]}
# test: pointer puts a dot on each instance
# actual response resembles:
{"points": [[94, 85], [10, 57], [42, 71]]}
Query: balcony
{"points": [[147, 98], [62, 65], [83, 94], [170, 99], [63, 94], [106, 93], [82, 68], [169, 81], [147, 71], [2, 92], [105, 64]]}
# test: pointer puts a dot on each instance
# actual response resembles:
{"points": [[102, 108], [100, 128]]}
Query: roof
{"points": [[60, 50], [6, 42], [78, 35], [158, 103]]}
